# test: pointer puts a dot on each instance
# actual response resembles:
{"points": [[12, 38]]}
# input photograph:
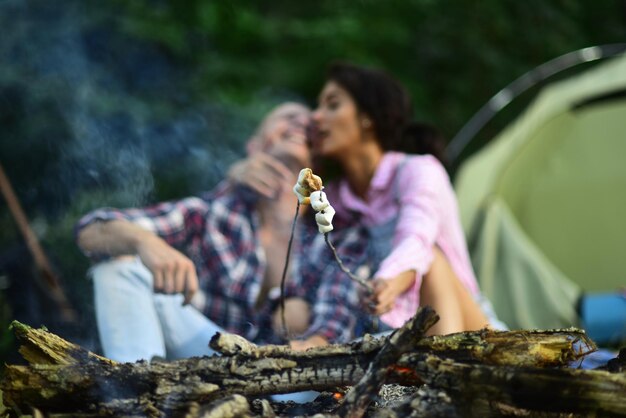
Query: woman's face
{"points": [[338, 131]]}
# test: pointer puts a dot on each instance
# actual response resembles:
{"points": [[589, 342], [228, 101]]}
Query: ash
{"points": [[392, 395], [389, 397]]}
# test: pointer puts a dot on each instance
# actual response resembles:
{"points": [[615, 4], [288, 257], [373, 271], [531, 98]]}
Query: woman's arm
{"points": [[422, 183]]}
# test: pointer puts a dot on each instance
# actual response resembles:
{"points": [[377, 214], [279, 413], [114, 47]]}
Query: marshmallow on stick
{"points": [[307, 184], [308, 189], [325, 212]]}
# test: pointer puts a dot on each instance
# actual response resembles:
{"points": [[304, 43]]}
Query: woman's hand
{"points": [[173, 272], [387, 291], [262, 173]]}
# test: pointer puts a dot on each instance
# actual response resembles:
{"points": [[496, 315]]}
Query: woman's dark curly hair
{"points": [[388, 105]]}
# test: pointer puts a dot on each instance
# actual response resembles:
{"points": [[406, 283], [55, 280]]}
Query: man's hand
{"points": [[297, 317], [262, 173], [387, 291], [312, 341], [173, 272]]}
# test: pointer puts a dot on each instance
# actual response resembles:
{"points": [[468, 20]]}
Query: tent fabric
{"points": [[535, 293], [544, 204]]}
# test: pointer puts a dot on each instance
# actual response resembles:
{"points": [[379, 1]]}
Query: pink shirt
{"points": [[427, 214]]}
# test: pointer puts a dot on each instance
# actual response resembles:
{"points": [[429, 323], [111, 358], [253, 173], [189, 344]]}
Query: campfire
{"points": [[482, 373]]}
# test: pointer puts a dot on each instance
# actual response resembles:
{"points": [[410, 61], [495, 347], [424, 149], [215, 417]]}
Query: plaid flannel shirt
{"points": [[218, 231]]}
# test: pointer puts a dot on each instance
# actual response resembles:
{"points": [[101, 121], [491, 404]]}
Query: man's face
{"points": [[282, 133]]}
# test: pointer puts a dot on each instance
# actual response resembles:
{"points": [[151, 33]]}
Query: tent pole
{"points": [[520, 85]]}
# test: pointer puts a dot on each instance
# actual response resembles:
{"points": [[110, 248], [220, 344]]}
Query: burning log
{"points": [[464, 372], [399, 343], [563, 390]]}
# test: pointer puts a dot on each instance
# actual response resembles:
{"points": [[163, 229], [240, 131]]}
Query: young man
{"points": [[176, 273]]}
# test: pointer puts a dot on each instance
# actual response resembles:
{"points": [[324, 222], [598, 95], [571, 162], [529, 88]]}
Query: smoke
{"points": [[92, 117], [103, 114]]}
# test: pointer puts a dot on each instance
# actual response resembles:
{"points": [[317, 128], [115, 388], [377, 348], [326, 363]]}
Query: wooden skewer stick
{"points": [[343, 268], [283, 278]]}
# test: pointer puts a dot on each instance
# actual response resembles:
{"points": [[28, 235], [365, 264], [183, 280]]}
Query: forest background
{"points": [[124, 103]]}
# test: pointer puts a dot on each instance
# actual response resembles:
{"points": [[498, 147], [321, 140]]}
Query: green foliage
{"points": [[453, 55]]}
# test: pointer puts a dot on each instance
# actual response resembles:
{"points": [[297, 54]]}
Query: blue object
{"points": [[603, 316], [596, 359]]}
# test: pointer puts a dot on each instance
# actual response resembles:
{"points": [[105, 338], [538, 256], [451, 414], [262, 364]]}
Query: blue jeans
{"points": [[136, 323]]}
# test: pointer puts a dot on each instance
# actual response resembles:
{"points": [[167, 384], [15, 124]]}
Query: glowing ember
{"points": [[403, 370]]}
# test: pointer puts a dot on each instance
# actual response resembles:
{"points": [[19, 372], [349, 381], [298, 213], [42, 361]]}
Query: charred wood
{"points": [[618, 364], [400, 342], [38, 346], [233, 406], [66, 379], [562, 390]]}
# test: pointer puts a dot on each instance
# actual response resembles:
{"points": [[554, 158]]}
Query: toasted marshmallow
{"points": [[308, 189], [302, 194], [309, 181], [304, 173]]}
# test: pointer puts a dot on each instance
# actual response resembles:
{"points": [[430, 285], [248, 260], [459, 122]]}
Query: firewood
{"points": [[562, 390], [38, 346], [230, 407], [537, 348], [74, 381], [266, 409], [618, 364], [400, 342]]}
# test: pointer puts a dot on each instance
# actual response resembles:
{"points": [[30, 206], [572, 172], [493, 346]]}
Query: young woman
{"points": [[363, 125]]}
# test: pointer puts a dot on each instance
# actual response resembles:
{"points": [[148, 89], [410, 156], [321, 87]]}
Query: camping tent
{"points": [[544, 204]]}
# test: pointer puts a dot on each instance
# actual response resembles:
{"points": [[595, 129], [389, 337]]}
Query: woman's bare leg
{"points": [[439, 292], [442, 290], [473, 316]]}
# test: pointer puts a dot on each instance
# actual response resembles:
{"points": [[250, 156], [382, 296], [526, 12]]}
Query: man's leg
{"points": [[126, 316], [135, 323], [186, 331]]}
